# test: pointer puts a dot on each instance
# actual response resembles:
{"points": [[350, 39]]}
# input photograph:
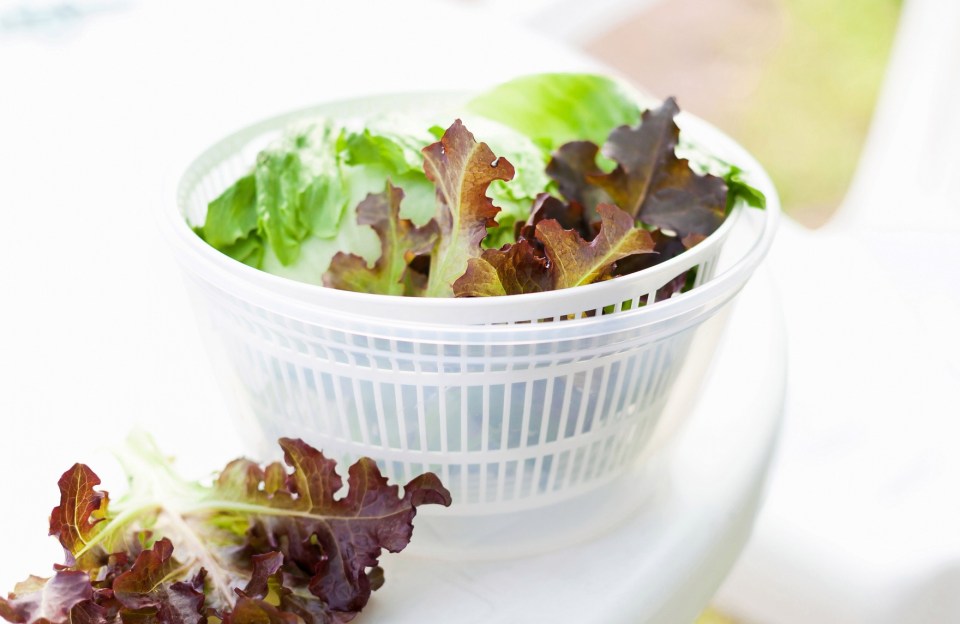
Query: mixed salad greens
{"points": [[259, 545], [573, 183]]}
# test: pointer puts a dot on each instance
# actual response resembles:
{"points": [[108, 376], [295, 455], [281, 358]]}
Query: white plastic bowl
{"points": [[512, 413]]}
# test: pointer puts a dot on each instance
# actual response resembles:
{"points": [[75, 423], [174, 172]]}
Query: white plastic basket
{"points": [[512, 412]]}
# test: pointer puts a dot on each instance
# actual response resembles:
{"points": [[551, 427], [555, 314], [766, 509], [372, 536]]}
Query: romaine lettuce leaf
{"points": [[299, 189], [231, 223], [294, 190], [232, 216]]}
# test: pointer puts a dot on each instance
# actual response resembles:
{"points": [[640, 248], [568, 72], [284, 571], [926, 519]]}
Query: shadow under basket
{"points": [[517, 403]]}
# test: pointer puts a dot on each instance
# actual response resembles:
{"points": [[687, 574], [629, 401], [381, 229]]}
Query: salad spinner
{"points": [[516, 402]]}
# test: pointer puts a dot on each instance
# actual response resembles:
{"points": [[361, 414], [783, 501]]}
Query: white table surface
{"points": [[97, 335]]}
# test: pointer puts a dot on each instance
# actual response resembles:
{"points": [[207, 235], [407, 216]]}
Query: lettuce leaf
{"points": [[400, 242], [567, 259], [232, 216], [553, 109], [530, 177], [388, 148], [294, 190], [576, 262], [512, 270], [231, 223], [738, 187], [48, 600], [461, 169], [261, 543], [656, 187]]}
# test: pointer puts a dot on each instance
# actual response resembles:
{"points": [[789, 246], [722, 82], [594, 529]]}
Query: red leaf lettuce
{"points": [[261, 544]]}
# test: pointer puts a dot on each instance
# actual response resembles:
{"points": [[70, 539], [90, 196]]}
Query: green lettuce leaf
{"points": [[274, 542], [232, 216], [461, 170], [249, 250], [389, 148], [231, 223], [300, 190], [399, 153], [739, 188], [553, 109], [278, 202]]}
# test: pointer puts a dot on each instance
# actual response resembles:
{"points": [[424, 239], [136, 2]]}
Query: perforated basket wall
{"points": [[506, 425]]}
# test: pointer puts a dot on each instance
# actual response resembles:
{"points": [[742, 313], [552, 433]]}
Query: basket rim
{"points": [[198, 257]]}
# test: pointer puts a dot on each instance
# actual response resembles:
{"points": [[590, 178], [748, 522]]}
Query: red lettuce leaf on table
{"points": [[334, 541], [147, 590], [262, 543], [77, 520], [47, 600]]}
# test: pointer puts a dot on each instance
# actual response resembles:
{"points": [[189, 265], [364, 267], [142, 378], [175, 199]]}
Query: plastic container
{"points": [[513, 413]]}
